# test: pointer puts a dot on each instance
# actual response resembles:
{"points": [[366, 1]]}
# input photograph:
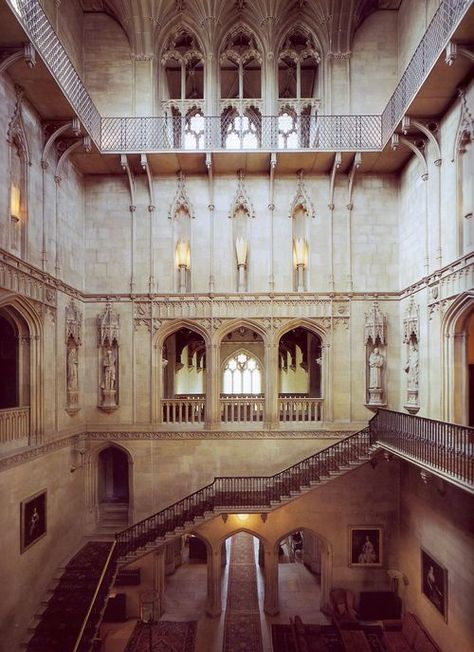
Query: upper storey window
{"points": [[241, 90], [298, 88], [183, 90]]}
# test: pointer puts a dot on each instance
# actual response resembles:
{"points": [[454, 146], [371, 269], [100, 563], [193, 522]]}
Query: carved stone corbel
{"points": [[73, 342], [108, 326]]}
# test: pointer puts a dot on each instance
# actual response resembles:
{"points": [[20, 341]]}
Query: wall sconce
{"points": [[241, 250], [15, 201], [183, 261], [300, 259]]}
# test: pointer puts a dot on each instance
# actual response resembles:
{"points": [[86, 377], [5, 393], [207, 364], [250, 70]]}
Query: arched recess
{"points": [[110, 482], [161, 357], [25, 326], [458, 360], [326, 558], [317, 348]]}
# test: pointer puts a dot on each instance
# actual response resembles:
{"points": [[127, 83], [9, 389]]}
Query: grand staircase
{"points": [[443, 449]]}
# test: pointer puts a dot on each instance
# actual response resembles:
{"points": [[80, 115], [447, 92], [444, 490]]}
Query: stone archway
{"points": [[113, 488]]}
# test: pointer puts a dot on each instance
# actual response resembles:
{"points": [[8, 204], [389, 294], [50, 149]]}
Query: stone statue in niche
{"points": [[412, 368], [72, 364], [109, 332], [73, 341], [109, 370], [375, 342], [376, 363]]}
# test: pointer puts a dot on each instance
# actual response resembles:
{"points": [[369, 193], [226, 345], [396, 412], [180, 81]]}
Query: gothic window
{"points": [[241, 91], [298, 89], [242, 375], [183, 90]]}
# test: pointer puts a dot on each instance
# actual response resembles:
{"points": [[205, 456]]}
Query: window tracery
{"points": [[242, 375]]}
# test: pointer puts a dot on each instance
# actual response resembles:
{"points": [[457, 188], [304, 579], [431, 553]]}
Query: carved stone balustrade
{"points": [[300, 409], [238, 408], [14, 424], [184, 410]]}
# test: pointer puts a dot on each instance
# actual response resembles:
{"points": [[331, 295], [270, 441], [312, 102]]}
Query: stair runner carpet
{"points": [[242, 629], [67, 607], [166, 636]]}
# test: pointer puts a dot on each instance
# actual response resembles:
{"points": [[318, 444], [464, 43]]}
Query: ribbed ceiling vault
{"points": [[147, 22]]}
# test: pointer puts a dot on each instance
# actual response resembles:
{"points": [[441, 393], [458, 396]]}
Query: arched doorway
{"points": [[300, 375], [113, 488], [9, 389], [458, 367], [300, 571], [183, 377], [242, 353]]}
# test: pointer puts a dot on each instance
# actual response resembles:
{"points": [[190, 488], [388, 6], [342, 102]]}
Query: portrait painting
{"points": [[434, 582], [32, 520], [365, 546]]}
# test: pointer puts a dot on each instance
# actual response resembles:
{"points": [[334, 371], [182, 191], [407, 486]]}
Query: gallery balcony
{"points": [[242, 408], [14, 427]]}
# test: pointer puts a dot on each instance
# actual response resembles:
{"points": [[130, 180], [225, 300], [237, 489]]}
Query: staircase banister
{"points": [[417, 419], [103, 575], [118, 536]]}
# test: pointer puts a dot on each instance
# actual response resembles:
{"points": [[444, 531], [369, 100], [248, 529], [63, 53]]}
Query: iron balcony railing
{"points": [[444, 447], [230, 132], [255, 493], [435, 39], [47, 43]]}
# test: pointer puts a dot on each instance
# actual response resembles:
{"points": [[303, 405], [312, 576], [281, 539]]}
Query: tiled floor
{"points": [[185, 599]]}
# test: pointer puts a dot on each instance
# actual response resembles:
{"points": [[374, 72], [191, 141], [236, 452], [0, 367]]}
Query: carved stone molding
{"points": [[181, 200], [241, 201], [16, 133], [32, 453], [218, 434], [302, 199]]}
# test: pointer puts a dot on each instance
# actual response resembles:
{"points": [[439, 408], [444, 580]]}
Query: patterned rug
{"points": [[319, 638], [242, 629], [327, 638], [167, 636]]}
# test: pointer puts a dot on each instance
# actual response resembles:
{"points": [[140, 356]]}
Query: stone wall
{"points": [[27, 575], [436, 517]]}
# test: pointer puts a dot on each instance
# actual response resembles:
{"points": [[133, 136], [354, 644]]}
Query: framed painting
{"points": [[365, 546], [32, 520], [434, 583]]}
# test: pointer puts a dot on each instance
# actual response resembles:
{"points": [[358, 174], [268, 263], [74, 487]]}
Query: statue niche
{"points": [[375, 342], [108, 330]]}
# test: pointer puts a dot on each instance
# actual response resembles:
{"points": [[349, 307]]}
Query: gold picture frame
{"points": [[33, 524], [365, 546], [434, 582]]}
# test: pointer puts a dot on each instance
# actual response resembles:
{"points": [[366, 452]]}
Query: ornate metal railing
{"points": [[254, 493], [445, 447], [441, 27], [183, 410], [300, 409], [275, 133], [247, 130], [45, 40], [14, 424]]}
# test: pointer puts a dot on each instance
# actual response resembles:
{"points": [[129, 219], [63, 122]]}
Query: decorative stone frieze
{"points": [[375, 343], [73, 342], [241, 201], [217, 434], [411, 332], [108, 325]]}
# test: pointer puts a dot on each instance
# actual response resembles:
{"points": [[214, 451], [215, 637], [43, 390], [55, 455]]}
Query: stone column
{"points": [[213, 384], [214, 582], [271, 385], [159, 579], [270, 602]]}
